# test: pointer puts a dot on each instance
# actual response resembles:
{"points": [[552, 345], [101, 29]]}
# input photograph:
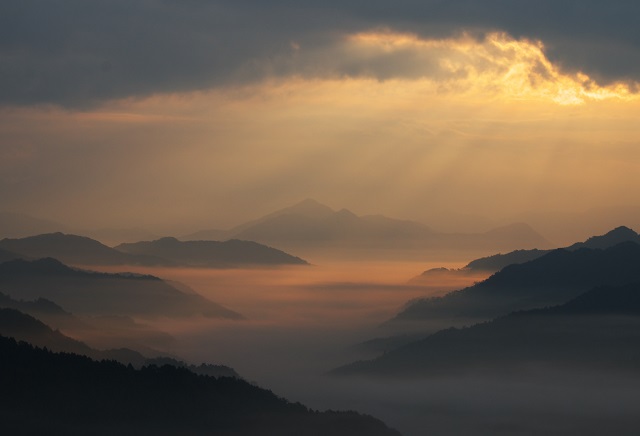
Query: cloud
{"points": [[76, 53]]}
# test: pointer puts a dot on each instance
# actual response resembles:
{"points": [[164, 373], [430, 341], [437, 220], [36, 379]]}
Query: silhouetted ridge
{"points": [[212, 253], [611, 238], [309, 226], [551, 279], [48, 393], [76, 250], [94, 293], [25, 327], [599, 329], [605, 300], [6, 255], [498, 261], [53, 267], [21, 326]]}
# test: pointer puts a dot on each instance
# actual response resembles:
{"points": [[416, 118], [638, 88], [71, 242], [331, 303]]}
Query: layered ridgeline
{"points": [[93, 293], [47, 393], [311, 225], [80, 250], [23, 327], [103, 331], [215, 254], [551, 279], [76, 250], [496, 262], [598, 330]]}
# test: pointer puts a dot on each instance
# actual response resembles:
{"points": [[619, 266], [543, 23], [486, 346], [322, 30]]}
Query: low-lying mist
{"points": [[300, 322]]}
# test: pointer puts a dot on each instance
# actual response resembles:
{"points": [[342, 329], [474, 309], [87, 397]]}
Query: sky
{"points": [[180, 115]]}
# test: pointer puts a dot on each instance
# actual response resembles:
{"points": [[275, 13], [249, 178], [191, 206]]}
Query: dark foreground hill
{"points": [[211, 253], [549, 280], [598, 330], [93, 293], [46, 393]]}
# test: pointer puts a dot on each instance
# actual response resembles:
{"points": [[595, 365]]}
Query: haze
{"points": [[462, 126], [128, 120]]}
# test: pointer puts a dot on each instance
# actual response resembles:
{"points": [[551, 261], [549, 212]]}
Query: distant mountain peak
{"points": [[623, 233], [308, 207], [611, 238]]}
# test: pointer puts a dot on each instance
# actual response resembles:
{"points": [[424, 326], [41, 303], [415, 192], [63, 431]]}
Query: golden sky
{"points": [[383, 122]]}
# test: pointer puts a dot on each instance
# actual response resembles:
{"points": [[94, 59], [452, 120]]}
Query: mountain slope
{"points": [[309, 225], [6, 255], [497, 262], [24, 327], [599, 329], [76, 250], [86, 292], [212, 253], [551, 279], [47, 393]]}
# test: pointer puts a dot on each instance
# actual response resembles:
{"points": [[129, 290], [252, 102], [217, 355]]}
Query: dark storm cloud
{"points": [[79, 52]]}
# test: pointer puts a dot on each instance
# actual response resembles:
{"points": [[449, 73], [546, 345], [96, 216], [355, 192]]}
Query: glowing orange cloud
{"points": [[498, 64]]}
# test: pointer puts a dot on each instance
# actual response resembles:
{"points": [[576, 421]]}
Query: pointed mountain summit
{"points": [[309, 208], [611, 238], [310, 227]]}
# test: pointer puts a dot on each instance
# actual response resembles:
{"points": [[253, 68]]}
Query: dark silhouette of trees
{"points": [[59, 393]]}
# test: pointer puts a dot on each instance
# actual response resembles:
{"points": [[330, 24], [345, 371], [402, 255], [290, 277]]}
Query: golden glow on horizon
{"points": [[490, 128]]}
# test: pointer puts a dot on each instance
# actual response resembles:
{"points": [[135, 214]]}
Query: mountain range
{"points": [[496, 262], [597, 330], [551, 279], [24, 327], [231, 253], [499, 261], [81, 250], [92, 293], [311, 225], [61, 393]]}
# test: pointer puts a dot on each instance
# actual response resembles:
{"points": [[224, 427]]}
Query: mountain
{"points": [[496, 262], [597, 330], [43, 309], [19, 225], [115, 236], [212, 253], [551, 279], [48, 393], [611, 238], [86, 292], [105, 331], [24, 327], [76, 250], [9, 255], [309, 225], [499, 261]]}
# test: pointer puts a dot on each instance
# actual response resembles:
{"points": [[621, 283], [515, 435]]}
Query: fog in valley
{"points": [[303, 321]]}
